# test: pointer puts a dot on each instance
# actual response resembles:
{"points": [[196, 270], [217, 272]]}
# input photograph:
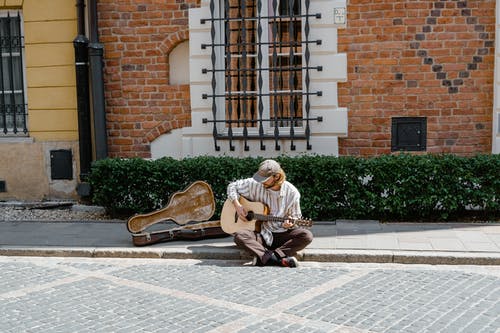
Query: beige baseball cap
{"points": [[267, 169]]}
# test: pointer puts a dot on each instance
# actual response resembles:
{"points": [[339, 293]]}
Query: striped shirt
{"points": [[282, 203]]}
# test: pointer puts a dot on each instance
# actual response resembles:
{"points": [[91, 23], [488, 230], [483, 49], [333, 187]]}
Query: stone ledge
{"points": [[224, 253]]}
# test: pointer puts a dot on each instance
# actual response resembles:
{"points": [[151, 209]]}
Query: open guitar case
{"points": [[190, 209]]}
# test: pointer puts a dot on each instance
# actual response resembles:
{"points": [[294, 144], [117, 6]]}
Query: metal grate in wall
{"points": [[260, 71], [61, 164], [409, 134]]}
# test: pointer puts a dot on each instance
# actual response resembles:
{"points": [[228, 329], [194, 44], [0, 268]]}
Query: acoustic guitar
{"points": [[231, 222]]}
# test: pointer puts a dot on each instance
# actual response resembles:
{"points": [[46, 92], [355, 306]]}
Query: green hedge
{"points": [[389, 187]]}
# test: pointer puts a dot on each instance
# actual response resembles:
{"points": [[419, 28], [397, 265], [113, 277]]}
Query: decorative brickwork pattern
{"points": [[140, 103], [431, 59]]}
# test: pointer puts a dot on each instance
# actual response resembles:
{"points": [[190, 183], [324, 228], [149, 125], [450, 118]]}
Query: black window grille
{"points": [[13, 109], [260, 71]]}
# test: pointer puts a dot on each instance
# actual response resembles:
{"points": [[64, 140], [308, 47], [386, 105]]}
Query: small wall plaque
{"points": [[339, 15]]}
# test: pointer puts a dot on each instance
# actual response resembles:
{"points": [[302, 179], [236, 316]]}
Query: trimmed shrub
{"points": [[390, 187]]}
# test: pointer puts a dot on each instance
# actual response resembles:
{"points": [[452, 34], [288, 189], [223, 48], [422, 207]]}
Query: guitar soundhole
{"points": [[250, 216]]}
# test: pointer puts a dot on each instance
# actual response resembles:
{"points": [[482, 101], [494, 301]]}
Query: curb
{"points": [[118, 252], [225, 253], [403, 257]]}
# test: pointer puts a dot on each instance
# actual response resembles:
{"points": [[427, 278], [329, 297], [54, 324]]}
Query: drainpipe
{"points": [[80, 44], [96, 51]]}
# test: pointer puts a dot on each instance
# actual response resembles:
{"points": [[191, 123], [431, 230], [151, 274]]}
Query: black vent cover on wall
{"points": [[61, 164], [409, 134]]}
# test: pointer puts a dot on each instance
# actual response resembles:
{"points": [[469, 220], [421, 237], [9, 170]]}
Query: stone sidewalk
{"points": [[339, 241], [102, 295]]}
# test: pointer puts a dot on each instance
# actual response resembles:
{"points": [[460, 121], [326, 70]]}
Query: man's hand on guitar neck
{"points": [[242, 212], [288, 224]]}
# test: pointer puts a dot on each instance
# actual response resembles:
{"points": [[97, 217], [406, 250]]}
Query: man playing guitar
{"points": [[275, 242]]}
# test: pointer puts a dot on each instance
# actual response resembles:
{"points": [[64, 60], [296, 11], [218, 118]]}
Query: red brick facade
{"points": [[431, 59], [412, 58], [140, 103]]}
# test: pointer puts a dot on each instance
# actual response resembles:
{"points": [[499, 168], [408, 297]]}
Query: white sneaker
{"points": [[254, 262]]}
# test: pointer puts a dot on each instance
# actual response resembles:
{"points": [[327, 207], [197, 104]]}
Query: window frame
{"points": [[266, 77], [267, 128], [21, 130]]}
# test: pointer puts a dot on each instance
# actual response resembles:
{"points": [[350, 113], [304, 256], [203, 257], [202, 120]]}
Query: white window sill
{"points": [[15, 139]]}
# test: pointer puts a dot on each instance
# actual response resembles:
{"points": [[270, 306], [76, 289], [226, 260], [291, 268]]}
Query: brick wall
{"points": [[411, 58], [431, 59], [140, 103]]}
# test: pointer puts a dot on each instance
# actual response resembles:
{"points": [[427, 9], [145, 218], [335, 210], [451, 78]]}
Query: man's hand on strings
{"points": [[242, 212]]}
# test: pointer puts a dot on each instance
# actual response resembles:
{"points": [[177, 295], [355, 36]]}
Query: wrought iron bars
{"points": [[307, 56], [263, 67], [12, 100], [214, 82]]}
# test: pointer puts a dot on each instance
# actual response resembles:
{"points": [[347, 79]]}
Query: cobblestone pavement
{"points": [[160, 295]]}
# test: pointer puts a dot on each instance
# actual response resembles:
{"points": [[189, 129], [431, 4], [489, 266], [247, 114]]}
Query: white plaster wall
{"points": [[496, 103]]}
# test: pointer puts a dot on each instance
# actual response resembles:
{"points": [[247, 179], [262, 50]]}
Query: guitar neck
{"points": [[262, 217], [297, 222]]}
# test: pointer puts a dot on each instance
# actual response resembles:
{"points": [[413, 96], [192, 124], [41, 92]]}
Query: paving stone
{"points": [[156, 295]]}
